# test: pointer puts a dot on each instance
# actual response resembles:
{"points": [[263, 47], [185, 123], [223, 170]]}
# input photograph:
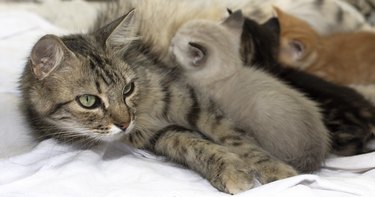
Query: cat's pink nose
{"points": [[123, 126]]}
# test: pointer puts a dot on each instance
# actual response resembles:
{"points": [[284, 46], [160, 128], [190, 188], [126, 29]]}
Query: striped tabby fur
{"points": [[138, 101], [366, 8], [139, 98]]}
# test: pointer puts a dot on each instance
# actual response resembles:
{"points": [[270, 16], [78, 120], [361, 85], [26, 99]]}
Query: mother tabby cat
{"points": [[112, 85]]}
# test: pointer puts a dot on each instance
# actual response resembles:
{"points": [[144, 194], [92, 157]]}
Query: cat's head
{"points": [[72, 89], [208, 47], [298, 41]]}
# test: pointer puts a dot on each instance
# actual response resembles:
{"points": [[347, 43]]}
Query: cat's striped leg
{"points": [[225, 170], [222, 131]]}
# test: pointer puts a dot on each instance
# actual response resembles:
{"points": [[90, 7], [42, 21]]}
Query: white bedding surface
{"points": [[50, 169]]}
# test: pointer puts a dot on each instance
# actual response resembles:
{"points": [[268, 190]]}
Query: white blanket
{"points": [[50, 169]]}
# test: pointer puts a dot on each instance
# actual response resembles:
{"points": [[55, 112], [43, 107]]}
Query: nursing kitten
{"points": [[78, 90], [347, 114], [343, 58], [158, 20], [284, 122]]}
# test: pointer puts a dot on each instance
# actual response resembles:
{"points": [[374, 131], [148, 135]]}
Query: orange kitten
{"points": [[344, 58]]}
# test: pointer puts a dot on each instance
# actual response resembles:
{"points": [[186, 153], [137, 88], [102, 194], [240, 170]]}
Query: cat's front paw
{"points": [[273, 171], [233, 180], [231, 175]]}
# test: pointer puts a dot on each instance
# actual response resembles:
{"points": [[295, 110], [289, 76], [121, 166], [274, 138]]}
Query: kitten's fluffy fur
{"points": [[283, 121], [343, 58], [156, 27], [348, 115]]}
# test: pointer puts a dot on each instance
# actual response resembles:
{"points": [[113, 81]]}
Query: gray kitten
{"points": [[284, 122]]}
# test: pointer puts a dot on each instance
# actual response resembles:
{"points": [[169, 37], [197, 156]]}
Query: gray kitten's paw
{"points": [[274, 170]]}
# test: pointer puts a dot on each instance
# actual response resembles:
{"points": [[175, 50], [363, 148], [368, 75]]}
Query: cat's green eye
{"points": [[128, 90], [89, 101]]}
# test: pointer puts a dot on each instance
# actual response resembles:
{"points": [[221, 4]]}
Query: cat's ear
{"points": [[279, 13], [273, 25], [230, 12], [47, 54], [197, 54], [235, 21], [121, 32], [297, 49]]}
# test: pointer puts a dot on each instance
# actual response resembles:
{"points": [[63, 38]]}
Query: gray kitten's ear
{"points": [[197, 54], [235, 20], [46, 55], [124, 32]]}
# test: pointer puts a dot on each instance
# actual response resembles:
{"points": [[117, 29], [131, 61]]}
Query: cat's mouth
{"points": [[116, 131]]}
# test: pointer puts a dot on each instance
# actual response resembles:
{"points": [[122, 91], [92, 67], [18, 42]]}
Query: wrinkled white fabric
{"points": [[51, 169]]}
